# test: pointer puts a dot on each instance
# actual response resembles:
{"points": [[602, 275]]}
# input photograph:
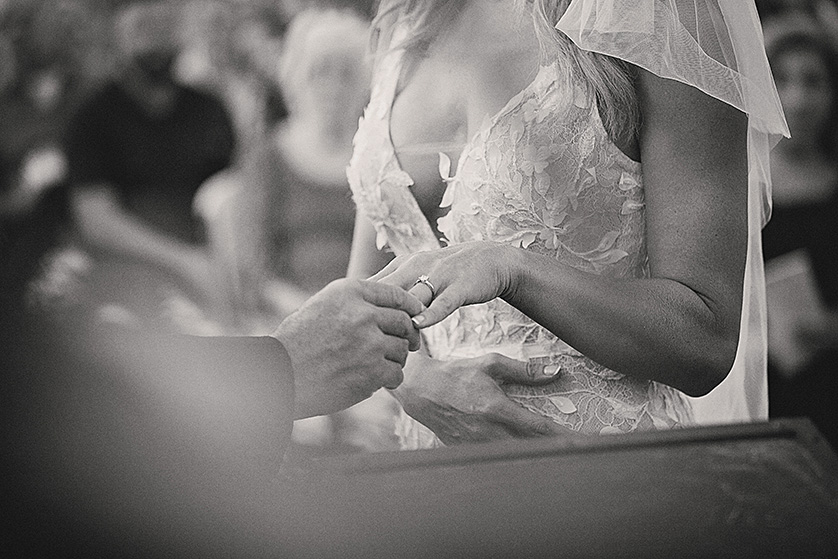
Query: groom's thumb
{"points": [[535, 371]]}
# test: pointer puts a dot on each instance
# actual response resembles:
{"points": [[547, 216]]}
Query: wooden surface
{"points": [[760, 490]]}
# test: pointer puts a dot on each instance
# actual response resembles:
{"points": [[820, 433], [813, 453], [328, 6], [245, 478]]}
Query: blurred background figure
{"points": [[138, 149], [325, 77], [282, 221], [800, 239], [48, 56], [824, 10], [230, 49]]}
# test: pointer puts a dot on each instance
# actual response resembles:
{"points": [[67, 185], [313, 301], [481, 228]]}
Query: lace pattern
{"points": [[542, 175], [379, 185]]}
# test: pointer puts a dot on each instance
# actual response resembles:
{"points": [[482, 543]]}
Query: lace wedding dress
{"points": [[542, 175]]}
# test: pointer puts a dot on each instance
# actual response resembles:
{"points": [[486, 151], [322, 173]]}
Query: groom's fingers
{"points": [[397, 323], [396, 350], [391, 374], [390, 296]]}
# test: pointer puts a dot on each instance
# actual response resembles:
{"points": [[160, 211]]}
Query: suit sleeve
{"points": [[156, 442]]}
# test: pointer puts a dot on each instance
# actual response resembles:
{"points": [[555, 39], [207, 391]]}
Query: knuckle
{"points": [[407, 326], [403, 351], [486, 405], [341, 284], [392, 376], [490, 361]]}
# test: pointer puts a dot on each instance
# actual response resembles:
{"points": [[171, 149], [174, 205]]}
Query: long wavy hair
{"points": [[609, 79]]}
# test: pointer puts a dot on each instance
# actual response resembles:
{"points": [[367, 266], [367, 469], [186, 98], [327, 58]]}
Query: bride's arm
{"points": [[680, 326], [364, 259]]}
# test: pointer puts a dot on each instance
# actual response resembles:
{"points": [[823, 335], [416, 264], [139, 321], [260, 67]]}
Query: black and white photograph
{"points": [[419, 279]]}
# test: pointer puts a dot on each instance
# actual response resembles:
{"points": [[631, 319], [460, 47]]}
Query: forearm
{"points": [[156, 432], [105, 227], [651, 328], [365, 259]]}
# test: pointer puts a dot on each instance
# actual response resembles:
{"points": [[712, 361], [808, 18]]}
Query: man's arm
{"points": [[122, 442], [130, 442], [105, 226]]}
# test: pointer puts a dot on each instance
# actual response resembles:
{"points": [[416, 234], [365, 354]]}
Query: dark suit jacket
{"points": [[129, 444]]}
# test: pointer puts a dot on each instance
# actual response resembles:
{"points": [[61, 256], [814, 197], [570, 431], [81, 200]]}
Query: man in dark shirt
{"points": [[153, 162], [138, 151]]}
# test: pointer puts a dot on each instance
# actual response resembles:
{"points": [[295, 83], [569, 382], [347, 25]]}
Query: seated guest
{"points": [[800, 239], [283, 221], [42, 77], [138, 150]]}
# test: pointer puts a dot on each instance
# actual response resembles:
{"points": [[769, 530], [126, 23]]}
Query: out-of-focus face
{"points": [[148, 44], [805, 90], [335, 78], [324, 71]]}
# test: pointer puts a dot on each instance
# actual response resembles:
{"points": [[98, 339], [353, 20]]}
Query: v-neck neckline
{"points": [[487, 123]]}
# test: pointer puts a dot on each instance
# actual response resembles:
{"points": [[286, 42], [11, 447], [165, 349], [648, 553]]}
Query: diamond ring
{"points": [[423, 279]]}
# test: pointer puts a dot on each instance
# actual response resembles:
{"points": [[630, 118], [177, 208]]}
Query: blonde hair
{"points": [[609, 79]]}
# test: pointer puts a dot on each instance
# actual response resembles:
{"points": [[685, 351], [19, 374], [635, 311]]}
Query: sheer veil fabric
{"points": [[717, 47]]}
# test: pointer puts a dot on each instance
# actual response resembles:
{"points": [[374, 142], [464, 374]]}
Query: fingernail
{"points": [[551, 370], [419, 320]]}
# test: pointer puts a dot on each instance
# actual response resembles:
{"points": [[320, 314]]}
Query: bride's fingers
{"points": [[445, 302], [422, 292], [393, 267], [525, 423], [387, 270], [405, 275]]}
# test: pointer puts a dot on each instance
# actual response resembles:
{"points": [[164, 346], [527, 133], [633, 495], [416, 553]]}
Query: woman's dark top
{"points": [[811, 393]]}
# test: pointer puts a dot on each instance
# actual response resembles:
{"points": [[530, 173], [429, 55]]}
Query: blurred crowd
{"points": [[182, 165], [801, 38], [177, 163]]}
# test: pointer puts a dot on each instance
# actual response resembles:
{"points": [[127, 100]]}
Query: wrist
{"points": [[285, 371]]}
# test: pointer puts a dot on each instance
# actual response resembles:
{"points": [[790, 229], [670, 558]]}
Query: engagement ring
{"points": [[423, 279]]}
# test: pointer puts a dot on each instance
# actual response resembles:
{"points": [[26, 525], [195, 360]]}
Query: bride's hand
{"points": [[461, 400], [462, 274]]}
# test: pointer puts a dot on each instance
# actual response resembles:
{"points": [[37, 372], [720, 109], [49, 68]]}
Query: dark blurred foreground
{"points": [[138, 463]]}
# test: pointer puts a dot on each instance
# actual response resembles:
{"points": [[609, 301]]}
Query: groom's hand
{"points": [[346, 342]]}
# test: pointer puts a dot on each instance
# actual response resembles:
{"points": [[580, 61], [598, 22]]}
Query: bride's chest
{"points": [[442, 102]]}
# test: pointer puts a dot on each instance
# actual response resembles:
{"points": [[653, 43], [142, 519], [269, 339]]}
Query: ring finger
{"points": [[423, 290]]}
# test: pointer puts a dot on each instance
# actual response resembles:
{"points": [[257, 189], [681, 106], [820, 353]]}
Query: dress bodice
{"points": [[542, 174]]}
